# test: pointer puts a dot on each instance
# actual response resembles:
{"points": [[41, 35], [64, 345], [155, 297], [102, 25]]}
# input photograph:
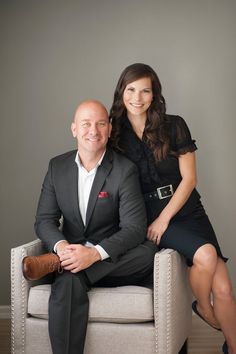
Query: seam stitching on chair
{"points": [[146, 293]]}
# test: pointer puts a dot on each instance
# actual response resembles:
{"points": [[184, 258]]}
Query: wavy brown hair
{"points": [[155, 133]]}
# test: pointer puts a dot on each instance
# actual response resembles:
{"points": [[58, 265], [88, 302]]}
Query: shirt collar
{"points": [[79, 164]]}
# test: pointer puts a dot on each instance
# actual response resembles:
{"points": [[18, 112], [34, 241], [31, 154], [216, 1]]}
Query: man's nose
{"points": [[93, 129]]}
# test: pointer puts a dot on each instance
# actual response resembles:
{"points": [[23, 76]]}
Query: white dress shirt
{"points": [[85, 182]]}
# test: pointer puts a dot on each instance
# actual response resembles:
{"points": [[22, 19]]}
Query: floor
{"points": [[4, 336], [203, 339]]}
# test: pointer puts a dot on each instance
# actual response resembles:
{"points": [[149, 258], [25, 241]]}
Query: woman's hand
{"points": [[157, 229], [187, 166]]}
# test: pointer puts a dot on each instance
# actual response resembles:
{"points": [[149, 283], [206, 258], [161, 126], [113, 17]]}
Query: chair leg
{"points": [[184, 349]]}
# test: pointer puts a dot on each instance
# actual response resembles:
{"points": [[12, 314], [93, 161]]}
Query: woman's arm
{"points": [[187, 166]]}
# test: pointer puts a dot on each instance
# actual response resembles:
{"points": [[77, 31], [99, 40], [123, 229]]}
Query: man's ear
{"points": [[73, 129]]}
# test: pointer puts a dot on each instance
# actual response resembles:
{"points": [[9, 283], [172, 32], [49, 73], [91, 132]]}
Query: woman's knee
{"points": [[222, 287], [206, 257], [223, 290]]}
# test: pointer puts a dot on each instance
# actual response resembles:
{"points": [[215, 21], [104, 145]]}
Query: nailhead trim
{"points": [[168, 304], [22, 293], [23, 305], [12, 303], [156, 296], [168, 310]]}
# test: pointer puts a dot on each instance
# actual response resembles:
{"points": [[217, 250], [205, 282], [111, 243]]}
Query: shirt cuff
{"points": [[55, 246], [102, 252]]}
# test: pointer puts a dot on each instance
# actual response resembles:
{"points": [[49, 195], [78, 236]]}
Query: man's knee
{"points": [[67, 280], [149, 250], [145, 255]]}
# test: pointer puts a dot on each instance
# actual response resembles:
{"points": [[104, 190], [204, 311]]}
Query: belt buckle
{"points": [[165, 193]]}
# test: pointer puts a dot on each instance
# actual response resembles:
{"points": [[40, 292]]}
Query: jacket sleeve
{"points": [[48, 214]]}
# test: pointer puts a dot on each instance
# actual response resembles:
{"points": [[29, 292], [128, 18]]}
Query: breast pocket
{"points": [[106, 209]]}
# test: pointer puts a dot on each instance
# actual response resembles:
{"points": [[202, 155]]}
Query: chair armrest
{"points": [[172, 301], [19, 292]]}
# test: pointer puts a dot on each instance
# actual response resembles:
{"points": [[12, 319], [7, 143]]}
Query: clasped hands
{"points": [[76, 257]]}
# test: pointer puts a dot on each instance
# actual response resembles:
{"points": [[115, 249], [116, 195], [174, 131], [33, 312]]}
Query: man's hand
{"points": [[77, 257], [61, 247]]}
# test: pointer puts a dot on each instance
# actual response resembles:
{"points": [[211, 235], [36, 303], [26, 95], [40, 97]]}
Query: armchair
{"points": [[122, 320]]}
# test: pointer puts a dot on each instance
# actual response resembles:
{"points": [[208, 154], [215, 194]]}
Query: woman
{"points": [[162, 148]]}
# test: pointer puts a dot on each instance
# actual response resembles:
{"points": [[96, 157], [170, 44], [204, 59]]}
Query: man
{"points": [[97, 193]]}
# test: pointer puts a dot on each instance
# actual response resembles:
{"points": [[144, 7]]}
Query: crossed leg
{"points": [[224, 304], [209, 276], [69, 304], [201, 276]]}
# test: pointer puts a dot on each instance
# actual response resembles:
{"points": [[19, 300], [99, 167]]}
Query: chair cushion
{"points": [[124, 304]]}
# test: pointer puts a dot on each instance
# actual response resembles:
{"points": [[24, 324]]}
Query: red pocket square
{"points": [[103, 195]]}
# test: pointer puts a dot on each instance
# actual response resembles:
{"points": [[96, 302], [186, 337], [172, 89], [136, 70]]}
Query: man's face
{"points": [[91, 127]]}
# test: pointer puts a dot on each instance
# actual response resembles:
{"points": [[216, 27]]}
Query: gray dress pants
{"points": [[69, 305]]}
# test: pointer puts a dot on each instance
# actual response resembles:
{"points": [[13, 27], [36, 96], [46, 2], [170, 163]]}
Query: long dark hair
{"points": [[156, 132]]}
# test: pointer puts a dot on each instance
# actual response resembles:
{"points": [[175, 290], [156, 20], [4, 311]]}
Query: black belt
{"points": [[160, 193]]}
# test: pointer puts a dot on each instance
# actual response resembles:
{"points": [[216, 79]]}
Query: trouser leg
{"points": [[68, 305], [133, 268], [68, 313]]}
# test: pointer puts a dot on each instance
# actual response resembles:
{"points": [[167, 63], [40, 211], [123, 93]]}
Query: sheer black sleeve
{"points": [[181, 140]]}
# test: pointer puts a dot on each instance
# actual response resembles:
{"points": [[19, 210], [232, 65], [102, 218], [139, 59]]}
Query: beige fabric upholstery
{"points": [[122, 320], [126, 304]]}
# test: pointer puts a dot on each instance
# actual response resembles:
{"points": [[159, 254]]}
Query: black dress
{"points": [[190, 228]]}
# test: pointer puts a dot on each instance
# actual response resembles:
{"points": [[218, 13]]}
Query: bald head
{"points": [[90, 107]]}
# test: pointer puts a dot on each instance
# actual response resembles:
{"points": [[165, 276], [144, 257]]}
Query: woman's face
{"points": [[138, 96]]}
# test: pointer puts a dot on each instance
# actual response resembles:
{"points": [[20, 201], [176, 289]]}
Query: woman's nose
{"points": [[137, 96]]}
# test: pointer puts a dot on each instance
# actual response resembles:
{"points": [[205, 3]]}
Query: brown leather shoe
{"points": [[36, 267]]}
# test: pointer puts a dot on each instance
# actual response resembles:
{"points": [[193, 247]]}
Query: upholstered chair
{"points": [[122, 320]]}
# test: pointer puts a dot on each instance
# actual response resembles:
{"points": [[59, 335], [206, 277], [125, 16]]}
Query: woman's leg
{"points": [[224, 304], [201, 277]]}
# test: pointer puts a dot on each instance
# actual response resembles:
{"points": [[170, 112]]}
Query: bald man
{"points": [[102, 241]]}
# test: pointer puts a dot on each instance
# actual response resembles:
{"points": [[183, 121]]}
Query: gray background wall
{"points": [[56, 53]]}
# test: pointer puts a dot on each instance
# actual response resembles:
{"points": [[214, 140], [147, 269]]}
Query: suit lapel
{"points": [[99, 180], [73, 188]]}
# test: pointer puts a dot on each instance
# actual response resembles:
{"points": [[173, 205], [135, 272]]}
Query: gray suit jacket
{"points": [[116, 216]]}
